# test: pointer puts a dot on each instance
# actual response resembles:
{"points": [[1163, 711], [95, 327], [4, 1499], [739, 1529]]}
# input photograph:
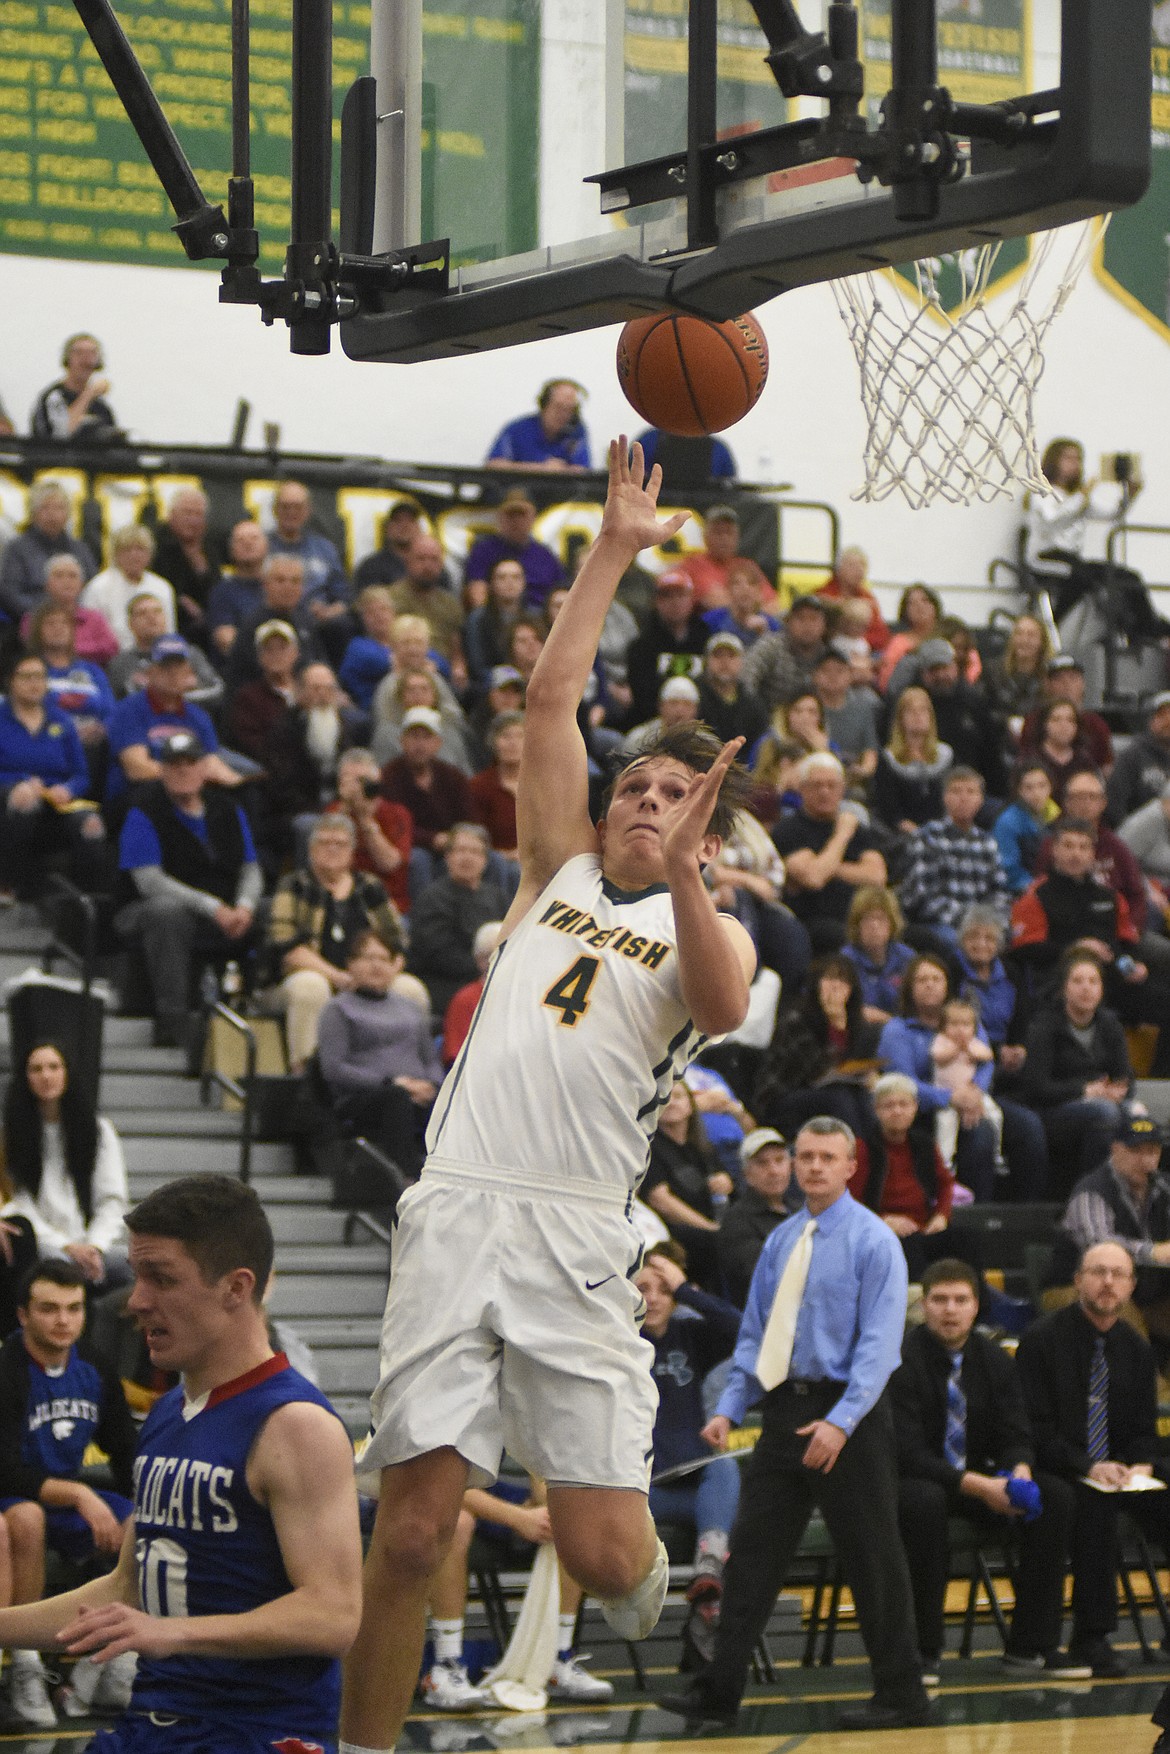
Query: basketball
{"points": [[691, 377]]}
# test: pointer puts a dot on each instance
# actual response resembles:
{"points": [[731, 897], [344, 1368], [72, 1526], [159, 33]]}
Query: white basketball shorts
{"points": [[512, 1323]]}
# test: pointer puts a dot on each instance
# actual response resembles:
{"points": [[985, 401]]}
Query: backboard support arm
{"points": [[1032, 162]]}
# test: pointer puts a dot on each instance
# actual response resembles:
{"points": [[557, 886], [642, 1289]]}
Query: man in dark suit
{"points": [[1091, 1390], [963, 1444]]}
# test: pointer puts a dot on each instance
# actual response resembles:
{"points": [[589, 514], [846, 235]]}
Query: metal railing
{"points": [[359, 1219], [244, 1093], [62, 894], [1115, 557]]}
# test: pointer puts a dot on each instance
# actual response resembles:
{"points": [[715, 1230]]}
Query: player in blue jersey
{"points": [[56, 1398], [238, 1580], [512, 1317]]}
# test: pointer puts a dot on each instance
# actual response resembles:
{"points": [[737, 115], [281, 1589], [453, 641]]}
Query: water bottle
{"points": [[208, 989], [232, 984]]}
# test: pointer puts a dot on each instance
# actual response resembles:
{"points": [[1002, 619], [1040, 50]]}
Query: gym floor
{"points": [[978, 1710]]}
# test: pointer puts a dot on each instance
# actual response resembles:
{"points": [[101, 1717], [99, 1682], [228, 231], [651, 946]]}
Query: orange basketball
{"points": [[689, 376]]}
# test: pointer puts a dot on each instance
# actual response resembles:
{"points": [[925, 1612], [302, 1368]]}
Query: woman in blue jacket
{"points": [[905, 1047], [43, 782]]}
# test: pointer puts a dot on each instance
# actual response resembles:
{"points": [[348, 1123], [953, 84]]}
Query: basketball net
{"points": [[949, 395]]}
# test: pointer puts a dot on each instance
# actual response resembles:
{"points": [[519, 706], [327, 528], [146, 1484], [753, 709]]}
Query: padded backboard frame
{"points": [[1083, 148]]}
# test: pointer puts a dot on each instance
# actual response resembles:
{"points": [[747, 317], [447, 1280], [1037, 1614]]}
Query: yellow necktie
{"points": [[775, 1356]]}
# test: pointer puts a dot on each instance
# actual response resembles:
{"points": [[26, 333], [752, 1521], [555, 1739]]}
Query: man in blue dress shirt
{"points": [[820, 1337]]}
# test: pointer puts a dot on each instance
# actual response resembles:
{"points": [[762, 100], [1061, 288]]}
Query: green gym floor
{"points": [[978, 1710]]}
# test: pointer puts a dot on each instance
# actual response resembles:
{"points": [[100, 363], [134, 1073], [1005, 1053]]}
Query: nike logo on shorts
{"points": [[593, 1284]]}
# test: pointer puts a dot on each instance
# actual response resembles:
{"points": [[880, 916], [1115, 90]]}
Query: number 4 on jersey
{"points": [[570, 994]]}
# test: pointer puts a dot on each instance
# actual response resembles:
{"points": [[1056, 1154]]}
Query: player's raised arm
{"points": [[552, 805]]}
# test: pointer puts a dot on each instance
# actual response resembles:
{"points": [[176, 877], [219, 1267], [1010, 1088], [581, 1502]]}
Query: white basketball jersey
{"points": [[580, 1032]]}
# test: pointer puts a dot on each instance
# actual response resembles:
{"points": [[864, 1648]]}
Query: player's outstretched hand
{"points": [[106, 1632], [684, 827], [631, 506]]}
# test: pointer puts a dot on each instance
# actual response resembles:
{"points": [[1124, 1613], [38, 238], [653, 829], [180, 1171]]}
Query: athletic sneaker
{"points": [[707, 1582], [1053, 1664], [28, 1691], [570, 1680], [448, 1687], [636, 1615]]}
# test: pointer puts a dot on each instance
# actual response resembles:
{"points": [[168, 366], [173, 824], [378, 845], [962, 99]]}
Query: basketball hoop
{"points": [[949, 395]]}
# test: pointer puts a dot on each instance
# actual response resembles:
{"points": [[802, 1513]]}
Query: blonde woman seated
{"points": [[410, 688], [318, 915], [410, 641], [1014, 681], [908, 784], [111, 591]]}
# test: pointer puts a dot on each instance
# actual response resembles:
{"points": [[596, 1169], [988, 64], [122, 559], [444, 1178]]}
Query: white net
{"points": [[949, 394]]}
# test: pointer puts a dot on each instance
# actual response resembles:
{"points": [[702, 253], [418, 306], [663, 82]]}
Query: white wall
{"points": [[177, 362]]}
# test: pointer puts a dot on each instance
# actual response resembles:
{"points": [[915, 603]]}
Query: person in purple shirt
{"points": [[552, 438], [514, 541], [43, 778]]}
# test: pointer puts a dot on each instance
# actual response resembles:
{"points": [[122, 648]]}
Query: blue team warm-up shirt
{"points": [[64, 1407], [137, 719], [205, 1546]]}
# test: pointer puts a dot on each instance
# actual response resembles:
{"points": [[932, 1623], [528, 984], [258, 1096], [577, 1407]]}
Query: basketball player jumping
{"points": [[239, 1579], [512, 1318]]}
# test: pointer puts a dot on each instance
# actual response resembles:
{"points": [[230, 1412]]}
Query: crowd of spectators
{"points": [[308, 780], [175, 724]]}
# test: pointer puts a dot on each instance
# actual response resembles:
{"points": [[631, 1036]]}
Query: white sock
{"points": [[448, 1640], [28, 1661], [567, 1624], [360, 1748], [84, 1679], [714, 1542]]}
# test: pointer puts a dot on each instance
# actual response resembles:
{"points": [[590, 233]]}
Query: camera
{"points": [[1123, 466], [371, 788]]}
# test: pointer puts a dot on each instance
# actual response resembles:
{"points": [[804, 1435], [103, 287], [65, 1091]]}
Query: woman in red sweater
{"points": [[901, 1176], [493, 791]]}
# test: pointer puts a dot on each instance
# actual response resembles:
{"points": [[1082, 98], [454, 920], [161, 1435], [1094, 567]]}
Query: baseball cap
{"points": [[674, 579], [426, 716], [809, 600], [726, 641], [722, 514], [757, 1139], [679, 688], [169, 645], [277, 630], [179, 746], [1158, 701], [935, 651], [1135, 1129], [1063, 661], [837, 652], [516, 501], [504, 676]]}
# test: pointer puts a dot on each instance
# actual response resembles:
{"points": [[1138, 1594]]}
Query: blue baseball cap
{"points": [[169, 645]]}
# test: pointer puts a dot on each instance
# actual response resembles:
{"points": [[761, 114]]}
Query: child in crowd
{"points": [[958, 1058]]}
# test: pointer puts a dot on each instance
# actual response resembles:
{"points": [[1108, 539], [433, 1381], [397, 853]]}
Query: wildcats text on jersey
{"points": [[563, 917], [64, 1407], [193, 1499]]}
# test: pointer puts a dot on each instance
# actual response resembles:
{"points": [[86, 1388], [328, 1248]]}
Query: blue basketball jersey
{"points": [[205, 1546]]}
